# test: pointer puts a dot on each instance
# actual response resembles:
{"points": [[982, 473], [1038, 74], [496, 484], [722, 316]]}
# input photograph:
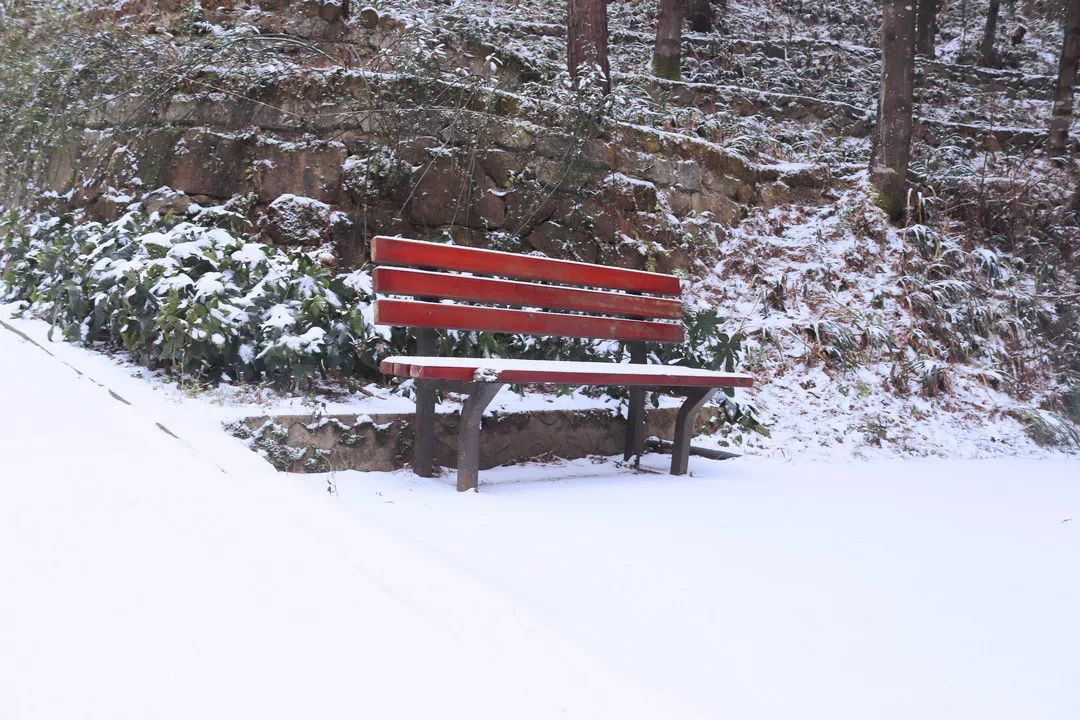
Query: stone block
{"points": [[209, 163], [295, 220], [290, 168]]}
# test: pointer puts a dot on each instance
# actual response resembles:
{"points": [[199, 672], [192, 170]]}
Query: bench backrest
{"points": [[589, 301]]}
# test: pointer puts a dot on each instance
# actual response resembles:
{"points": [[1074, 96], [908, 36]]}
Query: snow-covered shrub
{"points": [[198, 300], [708, 346], [195, 299]]}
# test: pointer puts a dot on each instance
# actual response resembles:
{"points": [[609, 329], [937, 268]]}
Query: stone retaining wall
{"points": [[307, 443]]}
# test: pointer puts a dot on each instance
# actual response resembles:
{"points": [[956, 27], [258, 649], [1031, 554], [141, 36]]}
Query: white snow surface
{"points": [[154, 575]]}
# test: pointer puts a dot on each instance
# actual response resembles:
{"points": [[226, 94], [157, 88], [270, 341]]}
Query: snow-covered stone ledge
{"points": [[383, 441]]}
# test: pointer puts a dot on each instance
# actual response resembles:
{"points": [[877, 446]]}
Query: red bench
{"points": [[575, 299]]}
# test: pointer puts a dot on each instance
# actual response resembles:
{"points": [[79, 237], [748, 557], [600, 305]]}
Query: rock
{"points": [[601, 155], [368, 18], [433, 200], [166, 200], [559, 241], [350, 246], [514, 136], [333, 10], [382, 441], [296, 220], [660, 170], [489, 210], [629, 194], [815, 177], [501, 166], [109, 207], [688, 175], [663, 171], [724, 210], [682, 203], [772, 194], [313, 170], [527, 206], [444, 196], [418, 150], [61, 168], [209, 163]]}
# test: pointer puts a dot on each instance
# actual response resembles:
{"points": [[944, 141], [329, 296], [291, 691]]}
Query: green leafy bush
{"points": [[194, 298]]}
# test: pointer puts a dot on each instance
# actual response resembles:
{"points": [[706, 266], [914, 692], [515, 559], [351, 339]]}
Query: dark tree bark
{"points": [[667, 59], [1062, 114], [925, 26], [986, 51], [587, 38], [889, 165], [699, 15]]}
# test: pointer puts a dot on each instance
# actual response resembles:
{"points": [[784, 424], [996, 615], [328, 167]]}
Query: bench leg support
{"points": [[424, 429], [685, 424], [635, 424], [472, 413], [635, 410]]}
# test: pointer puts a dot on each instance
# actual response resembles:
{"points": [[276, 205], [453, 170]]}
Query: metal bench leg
{"points": [[472, 413], [685, 424]]}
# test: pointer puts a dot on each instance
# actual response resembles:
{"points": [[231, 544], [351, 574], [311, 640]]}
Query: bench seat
{"points": [[558, 372]]}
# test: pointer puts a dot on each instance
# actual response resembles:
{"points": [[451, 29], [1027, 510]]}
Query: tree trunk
{"points": [[1062, 114], [587, 39], [986, 52], [888, 168], [925, 26], [699, 14], [667, 59]]}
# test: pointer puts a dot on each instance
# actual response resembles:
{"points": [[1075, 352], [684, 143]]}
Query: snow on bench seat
{"points": [[558, 372]]}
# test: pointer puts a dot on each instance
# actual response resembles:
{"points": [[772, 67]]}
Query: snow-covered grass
{"points": [[862, 336], [148, 574]]}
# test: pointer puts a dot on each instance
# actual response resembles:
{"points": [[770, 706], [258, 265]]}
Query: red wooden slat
{"points": [[466, 317], [416, 253], [419, 283], [556, 377]]}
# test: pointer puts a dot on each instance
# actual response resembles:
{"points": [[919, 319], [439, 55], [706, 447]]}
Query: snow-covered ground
{"points": [[146, 574]]}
